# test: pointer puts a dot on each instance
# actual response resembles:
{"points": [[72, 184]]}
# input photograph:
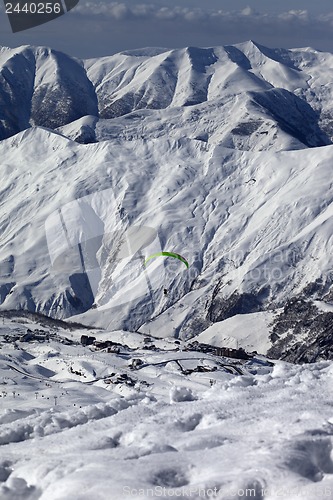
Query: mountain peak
{"points": [[206, 148]]}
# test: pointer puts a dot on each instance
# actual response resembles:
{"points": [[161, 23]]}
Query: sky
{"points": [[101, 27]]}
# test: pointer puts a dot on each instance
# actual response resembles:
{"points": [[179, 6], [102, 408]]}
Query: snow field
{"points": [[213, 434]]}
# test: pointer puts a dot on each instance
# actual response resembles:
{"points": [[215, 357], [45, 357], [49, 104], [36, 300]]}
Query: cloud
{"points": [[293, 26], [121, 10], [117, 10], [248, 11]]}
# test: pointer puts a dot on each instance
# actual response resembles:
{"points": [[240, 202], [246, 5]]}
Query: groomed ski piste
{"points": [[80, 422]]}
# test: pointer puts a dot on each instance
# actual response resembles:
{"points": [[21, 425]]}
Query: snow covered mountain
{"points": [[273, 95], [39, 86], [223, 158], [222, 155]]}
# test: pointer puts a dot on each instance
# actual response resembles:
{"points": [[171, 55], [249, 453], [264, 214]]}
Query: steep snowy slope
{"points": [[62, 91], [186, 77], [138, 80], [16, 88], [42, 86], [223, 176], [255, 228], [275, 120]]}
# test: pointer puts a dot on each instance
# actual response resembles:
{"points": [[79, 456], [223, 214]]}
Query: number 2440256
{"points": [[33, 8]]}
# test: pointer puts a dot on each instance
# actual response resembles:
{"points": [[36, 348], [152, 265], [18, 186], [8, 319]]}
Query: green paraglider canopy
{"points": [[168, 254]]}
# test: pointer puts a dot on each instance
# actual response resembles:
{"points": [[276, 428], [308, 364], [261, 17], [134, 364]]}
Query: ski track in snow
{"points": [[267, 431]]}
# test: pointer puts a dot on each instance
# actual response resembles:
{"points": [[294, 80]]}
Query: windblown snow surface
{"points": [[77, 423], [224, 156]]}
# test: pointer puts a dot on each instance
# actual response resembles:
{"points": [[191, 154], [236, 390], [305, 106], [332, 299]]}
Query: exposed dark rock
{"points": [[246, 128], [294, 115], [244, 303], [302, 333]]}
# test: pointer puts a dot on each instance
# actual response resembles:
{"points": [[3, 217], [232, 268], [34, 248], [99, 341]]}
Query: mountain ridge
{"points": [[237, 184], [61, 89]]}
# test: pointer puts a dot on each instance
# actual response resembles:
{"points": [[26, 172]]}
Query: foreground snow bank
{"points": [[180, 423]]}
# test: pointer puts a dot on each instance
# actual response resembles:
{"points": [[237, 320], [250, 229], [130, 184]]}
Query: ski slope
{"points": [[72, 426]]}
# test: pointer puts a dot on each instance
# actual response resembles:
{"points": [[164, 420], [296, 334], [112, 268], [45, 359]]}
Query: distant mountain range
{"points": [[224, 152], [273, 96]]}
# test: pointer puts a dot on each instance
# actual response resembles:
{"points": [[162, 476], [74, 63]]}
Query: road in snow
{"points": [[265, 434]]}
